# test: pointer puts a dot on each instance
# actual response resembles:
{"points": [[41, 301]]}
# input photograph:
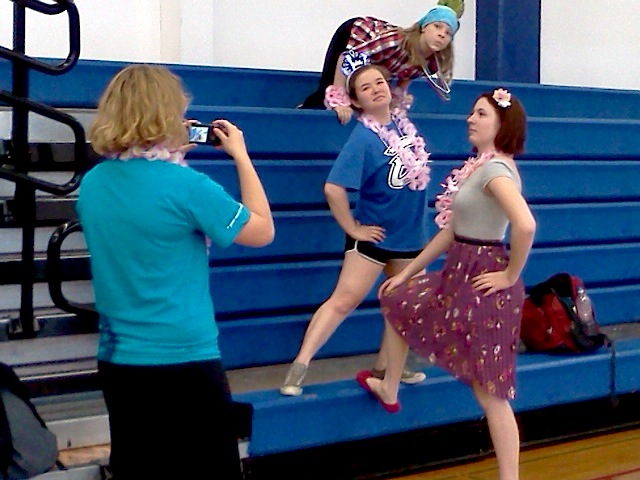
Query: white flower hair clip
{"points": [[502, 97], [352, 61]]}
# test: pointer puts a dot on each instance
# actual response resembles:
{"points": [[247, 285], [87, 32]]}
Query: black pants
{"points": [[337, 46], [170, 421]]}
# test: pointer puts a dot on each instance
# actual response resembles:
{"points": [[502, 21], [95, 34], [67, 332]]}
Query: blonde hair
{"points": [[143, 105], [411, 44]]}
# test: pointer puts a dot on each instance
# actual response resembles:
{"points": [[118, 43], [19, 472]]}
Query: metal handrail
{"points": [[54, 272], [74, 37], [80, 147]]}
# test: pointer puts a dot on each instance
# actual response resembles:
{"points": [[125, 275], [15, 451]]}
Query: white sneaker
{"points": [[292, 386], [411, 378], [408, 376]]}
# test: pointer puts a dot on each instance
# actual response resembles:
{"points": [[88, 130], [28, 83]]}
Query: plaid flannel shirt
{"points": [[383, 43]]}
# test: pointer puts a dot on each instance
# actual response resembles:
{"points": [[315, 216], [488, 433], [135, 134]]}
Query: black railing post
{"points": [[25, 194]]}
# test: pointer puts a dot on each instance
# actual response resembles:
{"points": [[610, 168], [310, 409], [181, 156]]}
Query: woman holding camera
{"points": [[146, 218]]}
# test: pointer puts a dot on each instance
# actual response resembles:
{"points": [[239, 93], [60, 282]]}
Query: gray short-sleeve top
{"points": [[476, 213]]}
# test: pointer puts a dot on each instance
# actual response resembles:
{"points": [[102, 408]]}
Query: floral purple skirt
{"points": [[442, 318]]}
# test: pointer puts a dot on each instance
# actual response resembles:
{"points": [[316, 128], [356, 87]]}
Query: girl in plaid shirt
{"points": [[424, 49]]}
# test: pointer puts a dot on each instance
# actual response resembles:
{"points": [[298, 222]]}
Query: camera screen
{"points": [[199, 133]]}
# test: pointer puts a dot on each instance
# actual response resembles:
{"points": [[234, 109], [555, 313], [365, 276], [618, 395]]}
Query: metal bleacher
{"points": [[580, 176]]}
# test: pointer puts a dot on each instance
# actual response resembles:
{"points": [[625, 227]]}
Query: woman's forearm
{"points": [[520, 242], [339, 79], [436, 247], [340, 207]]}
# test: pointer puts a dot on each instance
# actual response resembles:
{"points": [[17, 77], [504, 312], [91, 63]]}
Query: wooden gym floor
{"points": [[614, 456]]}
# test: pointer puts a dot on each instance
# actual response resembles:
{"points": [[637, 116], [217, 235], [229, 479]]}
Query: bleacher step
{"points": [[80, 420], [86, 472]]}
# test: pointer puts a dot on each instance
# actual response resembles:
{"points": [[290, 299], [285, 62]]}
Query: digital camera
{"points": [[203, 134]]}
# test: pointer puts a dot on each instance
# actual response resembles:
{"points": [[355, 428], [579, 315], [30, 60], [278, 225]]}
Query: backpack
{"points": [[557, 316], [27, 447]]}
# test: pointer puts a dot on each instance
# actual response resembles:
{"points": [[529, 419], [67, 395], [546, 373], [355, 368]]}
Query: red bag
{"points": [[552, 321]]}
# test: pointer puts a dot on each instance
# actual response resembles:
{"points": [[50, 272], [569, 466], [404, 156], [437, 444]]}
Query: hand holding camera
{"points": [[219, 133], [202, 134], [232, 139]]}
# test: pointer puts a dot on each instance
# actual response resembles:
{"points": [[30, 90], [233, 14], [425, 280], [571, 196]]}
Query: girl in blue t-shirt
{"points": [[146, 219], [385, 162]]}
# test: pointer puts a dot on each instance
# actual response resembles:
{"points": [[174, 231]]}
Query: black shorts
{"points": [[377, 255]]}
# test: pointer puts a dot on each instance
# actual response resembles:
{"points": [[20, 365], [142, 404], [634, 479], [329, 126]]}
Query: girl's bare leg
{"points": [[392, 268], [504, 432], [396, 351], [357, 277]]}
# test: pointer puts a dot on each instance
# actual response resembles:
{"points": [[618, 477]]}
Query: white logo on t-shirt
{"points": [[397, 171]]}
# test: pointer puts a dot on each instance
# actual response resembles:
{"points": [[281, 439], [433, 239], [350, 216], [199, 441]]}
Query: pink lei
{"points": [[415, 159], [452, 185], [157, 152]]}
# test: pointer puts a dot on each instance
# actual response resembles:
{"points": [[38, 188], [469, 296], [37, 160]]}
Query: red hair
{"points": [[512, 133]]}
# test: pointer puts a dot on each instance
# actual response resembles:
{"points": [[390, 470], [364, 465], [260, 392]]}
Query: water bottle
{"points": [[584, 309]]}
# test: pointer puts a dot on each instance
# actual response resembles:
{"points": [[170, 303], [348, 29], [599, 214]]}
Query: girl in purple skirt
{"points": [[466, 317]]}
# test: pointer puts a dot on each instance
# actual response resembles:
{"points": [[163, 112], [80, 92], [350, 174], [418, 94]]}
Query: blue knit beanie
{"points": [[441, 14]]}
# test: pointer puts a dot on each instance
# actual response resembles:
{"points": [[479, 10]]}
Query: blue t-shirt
{"points": [[145, 224], [366, 165]]}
